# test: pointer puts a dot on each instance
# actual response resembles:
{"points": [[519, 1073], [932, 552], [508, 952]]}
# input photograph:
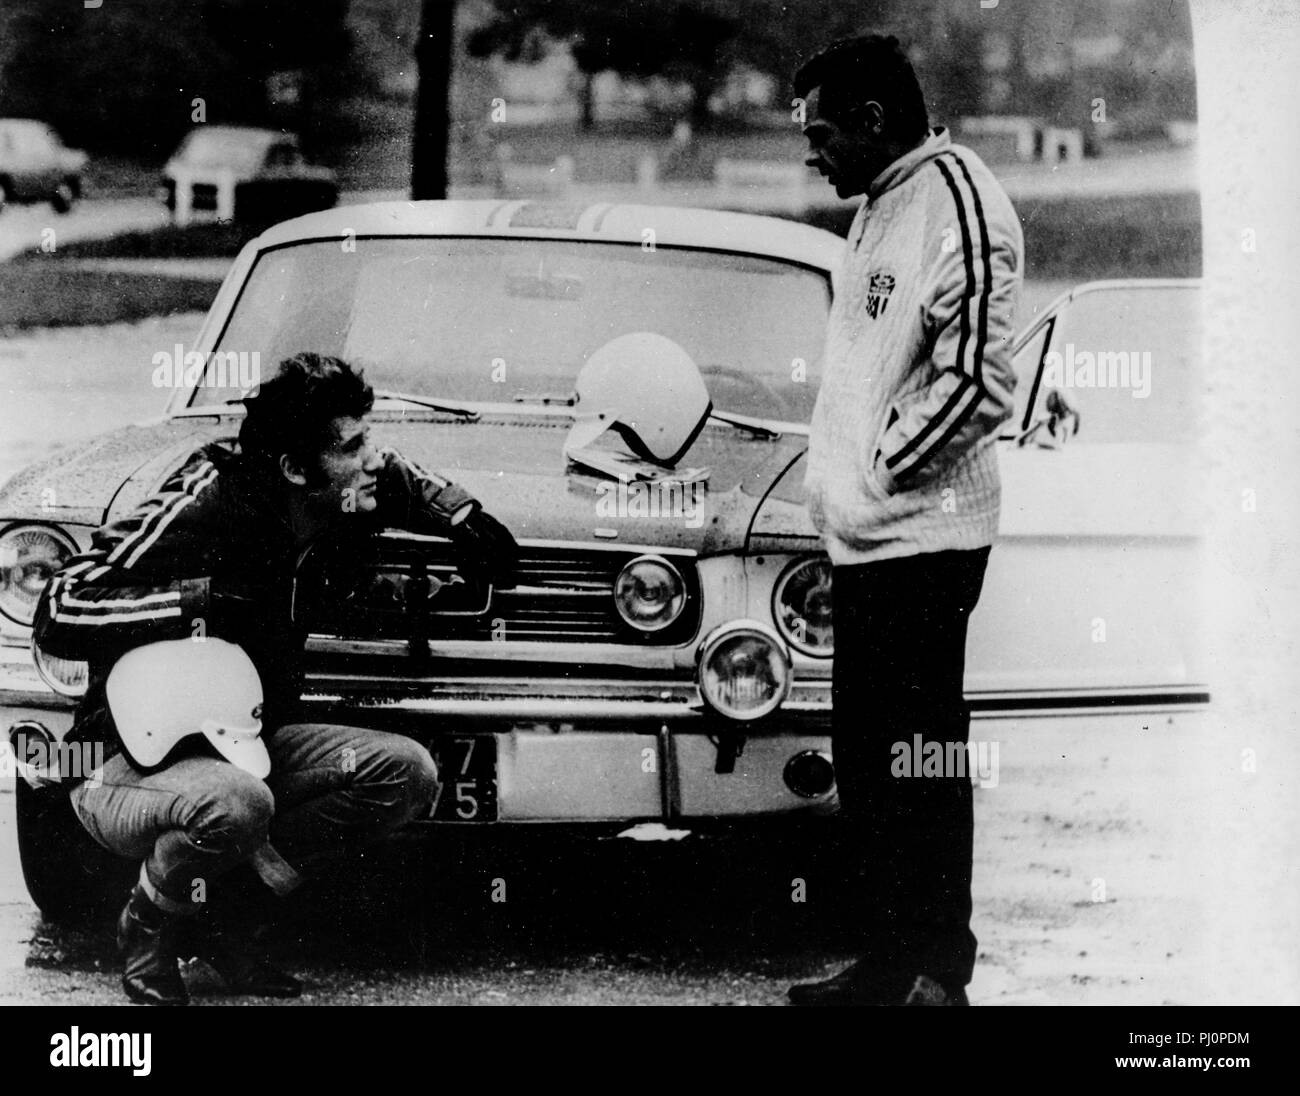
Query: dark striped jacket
{"points": [[213, 551], [917, 375]]}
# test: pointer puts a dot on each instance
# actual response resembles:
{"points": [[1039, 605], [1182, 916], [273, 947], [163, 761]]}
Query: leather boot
{"points": [[232, 949], [926, 991], [862, 984], [849, 987], [147, 939]]}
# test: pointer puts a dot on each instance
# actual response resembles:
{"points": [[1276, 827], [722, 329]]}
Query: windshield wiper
{"points": [[758, 427], [457, 409], [546, 399]]}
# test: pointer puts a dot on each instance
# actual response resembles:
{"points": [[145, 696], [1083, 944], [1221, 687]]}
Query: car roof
{"points": [[612, 222]]}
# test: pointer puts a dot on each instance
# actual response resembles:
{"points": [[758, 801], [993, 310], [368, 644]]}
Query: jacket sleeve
{"points": [[973, 259], [145, 577], [412, 498]]}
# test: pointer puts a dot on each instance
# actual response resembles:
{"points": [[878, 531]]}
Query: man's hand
{"points": [[485, 546]]}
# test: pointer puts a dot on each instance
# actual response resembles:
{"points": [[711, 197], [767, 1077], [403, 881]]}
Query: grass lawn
{"points": [[1078, 239], [34, 294]]}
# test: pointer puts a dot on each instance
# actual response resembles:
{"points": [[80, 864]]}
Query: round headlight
{"points": [[744, 670], [801, 606], [65, 677], [649, 593], [29, 555]]}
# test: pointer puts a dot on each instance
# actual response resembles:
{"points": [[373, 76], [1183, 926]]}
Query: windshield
{"points": [[486, 320]]}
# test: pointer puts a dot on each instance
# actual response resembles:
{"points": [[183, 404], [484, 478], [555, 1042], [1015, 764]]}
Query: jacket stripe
{"points": [[68, 600], [988, 266], [67, 609], [979, 282], [138, 542], [116, 618], [964, 383], [968, 258], [948, 435]]}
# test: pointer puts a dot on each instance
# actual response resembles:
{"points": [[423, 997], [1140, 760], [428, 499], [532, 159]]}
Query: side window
{"points": [[1027, 361], [1127, 359]]}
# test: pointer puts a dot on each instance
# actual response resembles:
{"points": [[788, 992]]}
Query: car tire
{"points": [[63, 198], [69, 877]]}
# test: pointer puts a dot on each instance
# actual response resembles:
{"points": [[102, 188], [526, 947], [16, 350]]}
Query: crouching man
{"points": [[213, 555]]}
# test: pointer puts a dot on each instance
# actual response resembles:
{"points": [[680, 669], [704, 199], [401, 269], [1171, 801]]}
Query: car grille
{"points": [[411, 586]]}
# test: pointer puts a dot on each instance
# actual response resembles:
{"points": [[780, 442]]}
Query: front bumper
{"points": [[569, 748]]}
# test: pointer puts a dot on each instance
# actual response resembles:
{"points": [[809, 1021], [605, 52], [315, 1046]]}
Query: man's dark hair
{"points": [[293, 411], [854, 71]]}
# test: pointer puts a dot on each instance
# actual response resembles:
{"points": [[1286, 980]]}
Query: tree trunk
{"points": [[432, 101], [587, 101], [703, 83]]}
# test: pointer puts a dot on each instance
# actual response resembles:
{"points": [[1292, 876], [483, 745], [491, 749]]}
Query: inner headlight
{"points": [[649, 593], [744, 670], [65, 677], [801, 606], [29, 555]]}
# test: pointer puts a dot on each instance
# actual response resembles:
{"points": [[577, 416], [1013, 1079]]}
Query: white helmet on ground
{"points": [[647, 389], [164, 692]]}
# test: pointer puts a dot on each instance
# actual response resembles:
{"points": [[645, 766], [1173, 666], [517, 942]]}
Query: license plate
{"points": [[467, 769]]}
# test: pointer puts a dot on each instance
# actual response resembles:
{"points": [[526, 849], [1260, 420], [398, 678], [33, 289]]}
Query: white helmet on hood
{"points": [[646, 388], [164, 692]]}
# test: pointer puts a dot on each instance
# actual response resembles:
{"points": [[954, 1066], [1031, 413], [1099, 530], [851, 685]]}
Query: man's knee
{"points": [[417, 772], [235, 808]]}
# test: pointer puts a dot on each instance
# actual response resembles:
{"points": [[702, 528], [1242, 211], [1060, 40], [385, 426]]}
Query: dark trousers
{"points": [[900, 653]]}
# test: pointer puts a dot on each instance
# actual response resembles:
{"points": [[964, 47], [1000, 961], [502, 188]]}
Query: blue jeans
{"points": [[331, 789]]}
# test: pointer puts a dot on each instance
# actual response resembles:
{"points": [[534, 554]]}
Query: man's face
{"points": [[848, 159], [349, 470]]}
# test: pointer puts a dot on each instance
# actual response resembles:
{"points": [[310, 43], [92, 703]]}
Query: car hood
{"points": [[77, 484], [514, 464], [517, 468]]}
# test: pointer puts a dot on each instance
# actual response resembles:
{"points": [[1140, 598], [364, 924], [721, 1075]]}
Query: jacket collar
{"points": [[939, 140]]}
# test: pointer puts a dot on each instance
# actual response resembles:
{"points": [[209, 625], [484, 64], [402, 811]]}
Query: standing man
{"points": [[903, 484], [214, 553]]}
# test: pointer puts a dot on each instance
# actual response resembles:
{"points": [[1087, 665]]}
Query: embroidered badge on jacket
{"points": [[879, 287]]}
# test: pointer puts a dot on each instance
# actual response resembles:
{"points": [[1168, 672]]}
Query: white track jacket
{"points": [[917, 373]]}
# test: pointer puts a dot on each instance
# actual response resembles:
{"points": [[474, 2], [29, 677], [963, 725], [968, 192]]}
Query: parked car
{"points": [[655, 663], [36, 166], [263, 170]]}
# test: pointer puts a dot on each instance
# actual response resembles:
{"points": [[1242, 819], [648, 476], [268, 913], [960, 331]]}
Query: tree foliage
{"points": [[702, 41], [123, 76]]}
